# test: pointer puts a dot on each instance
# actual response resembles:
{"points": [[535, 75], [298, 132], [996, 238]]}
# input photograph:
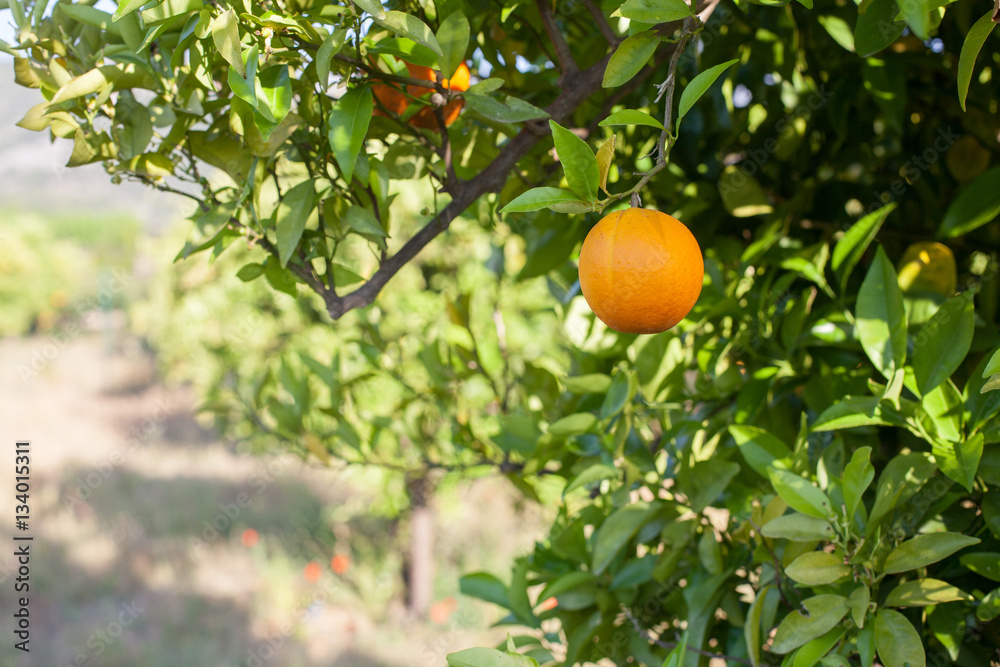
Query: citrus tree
{"points": [[802, 471]]}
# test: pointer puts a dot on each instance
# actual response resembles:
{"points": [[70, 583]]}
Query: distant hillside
{"points": [[33, 175]]}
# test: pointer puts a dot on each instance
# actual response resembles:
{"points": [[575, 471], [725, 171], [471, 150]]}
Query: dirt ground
{"points": [[139, 514]]}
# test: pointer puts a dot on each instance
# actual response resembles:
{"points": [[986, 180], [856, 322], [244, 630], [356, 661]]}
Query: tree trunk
{"points": [[420, 565]]}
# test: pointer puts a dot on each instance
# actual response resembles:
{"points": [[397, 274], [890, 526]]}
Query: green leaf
{"points": [[578, 162], [977, 204], [838, 28], [539, 198], [752, 626], [592, 383], [617, 396], [487, 657], [347, 127], [373, 7], [91, 16], [574, 591], [877, 27], [291, 216], [575, 424], [946, 409], [512, 110], [858, 600], [453, 36], [698, 87], [250, 272], [484, 586], [330, 47], [823, 613], [410, 26], [811, 653], [947, 623], [858, 475], [943, 341], [924, 550], [881, 320], [364, 222], [800, 494], [759, 448], [655, 11], [960, 460], [798, 528], [897, 641], [924, 592], [280, 279], [605, 156], [631, 117], [971, 47], [275, 93], [617, 530], [902, 477], [595, 473], [244, 85], [916, 13], [817, 568], [226, 35], [629, 58], [993, 365], [984, 563], [989, 606], [851, 412], [127, 7], [866, 645], [853, 244]]}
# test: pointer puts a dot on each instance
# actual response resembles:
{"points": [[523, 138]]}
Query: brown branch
{"points": [[602, 22], [563, 54], [580, 86]]}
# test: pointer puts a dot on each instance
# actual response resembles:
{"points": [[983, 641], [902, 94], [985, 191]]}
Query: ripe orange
{"points": [[340, 563], [641, 271], [313, 572], [395, 101], [249, 537]]}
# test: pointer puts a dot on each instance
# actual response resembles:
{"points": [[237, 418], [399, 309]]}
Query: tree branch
{"points": [[579, 86], [602, 22], [567, 65]]}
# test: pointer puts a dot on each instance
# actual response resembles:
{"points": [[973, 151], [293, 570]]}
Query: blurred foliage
{"points": [[56, 268]]}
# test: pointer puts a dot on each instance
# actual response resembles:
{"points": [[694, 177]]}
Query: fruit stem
{"points": [[636, 202]]}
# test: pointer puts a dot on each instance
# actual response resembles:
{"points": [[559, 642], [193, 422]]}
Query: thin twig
{"points": [[602, 22], [672, 645], [563, 54], [376, 73], [777, 564]]}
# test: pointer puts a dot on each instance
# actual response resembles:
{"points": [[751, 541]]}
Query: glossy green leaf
{"points": [[813, 652], [851, 412], [858, 601], [817, 568], [798, 528], [943, 341], [408, 25], [971, 47], [977, 204], [330, 47], [858, 475], [126, 7], [899, 480], [605, 157], [924, 592], [511, 110], [924, 550], [960, 460], [839, 29], [373, 7], [881, 320], [291, 216], [759, 448], [250, 272], [897, 641], [631, 117], [244, 85], [453, 36], [877, 27], [698, 87], [989, 606], [916, 13], [629, 58], [275, 93], [488, 657], [800, 494], [539, 198], [484, 586], [226, 35], [984, 563], [347, 127], [852, 245], [823, 613], [578, 162], [654, 11]]}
